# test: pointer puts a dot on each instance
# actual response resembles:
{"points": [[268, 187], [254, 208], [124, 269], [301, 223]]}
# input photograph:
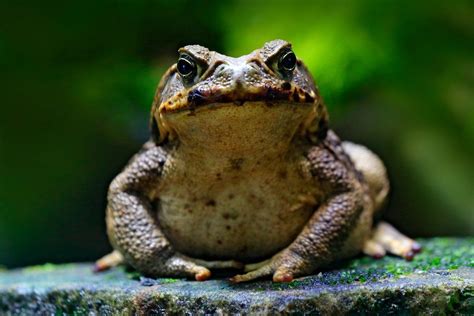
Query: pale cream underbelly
{"points": [[243, 218]]}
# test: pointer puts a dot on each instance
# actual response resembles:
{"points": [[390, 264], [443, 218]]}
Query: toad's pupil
{"points": [[185, 67], [288, 61]]}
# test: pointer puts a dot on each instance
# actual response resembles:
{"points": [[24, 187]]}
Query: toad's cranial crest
{"points": [[243, 172]]}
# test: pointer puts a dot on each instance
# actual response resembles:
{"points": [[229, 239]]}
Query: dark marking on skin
{"points": [[218, 176], [211, 203], [219, 241], [169, 102], [187, 208], [282, 174], [296, 97], [286, 85], [231, 196], [308, 98], [236, 164], [227, 227]]}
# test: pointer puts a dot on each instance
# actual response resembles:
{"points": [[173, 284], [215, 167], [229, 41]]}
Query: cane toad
{"points": [[242, 171]]}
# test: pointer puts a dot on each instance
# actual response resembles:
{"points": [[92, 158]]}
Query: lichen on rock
{"points": [[439, 280]]}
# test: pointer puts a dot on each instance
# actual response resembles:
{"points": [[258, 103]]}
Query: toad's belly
{"points": [[244, 219]]}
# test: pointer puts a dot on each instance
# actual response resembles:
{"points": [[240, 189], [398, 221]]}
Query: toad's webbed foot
{"points": [[386, 238]]}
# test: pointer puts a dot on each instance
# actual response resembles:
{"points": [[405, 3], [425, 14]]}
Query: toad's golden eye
{"points": [[287, 61], [186, 66]]}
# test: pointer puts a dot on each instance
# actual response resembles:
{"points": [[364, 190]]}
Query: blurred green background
{"points": [[78, 78]]}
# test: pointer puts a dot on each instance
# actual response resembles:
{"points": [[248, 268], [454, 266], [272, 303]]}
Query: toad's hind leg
{"points": [[373, 170], [386, 238]]}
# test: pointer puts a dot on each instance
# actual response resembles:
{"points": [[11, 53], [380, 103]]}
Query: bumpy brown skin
{"points": [[245, 136]]}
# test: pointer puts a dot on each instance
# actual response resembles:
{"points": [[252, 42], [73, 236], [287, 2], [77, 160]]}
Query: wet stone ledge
{"points": [[438, 281]]}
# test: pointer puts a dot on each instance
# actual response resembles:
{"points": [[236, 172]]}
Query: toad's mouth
{"points": [[199, 98]]}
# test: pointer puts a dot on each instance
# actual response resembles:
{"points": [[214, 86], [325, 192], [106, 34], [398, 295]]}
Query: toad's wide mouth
{"points": [[199, 98]]}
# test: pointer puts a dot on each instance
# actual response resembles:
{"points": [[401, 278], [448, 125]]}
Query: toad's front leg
{"points": [[131, 223], [325, 235], [319, 242]]}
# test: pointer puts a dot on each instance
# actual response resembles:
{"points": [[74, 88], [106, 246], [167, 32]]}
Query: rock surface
{"points": [[440, 280]]}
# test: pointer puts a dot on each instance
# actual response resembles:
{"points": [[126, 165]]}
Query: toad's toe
{"points": [[252, 275], [391, 240]]}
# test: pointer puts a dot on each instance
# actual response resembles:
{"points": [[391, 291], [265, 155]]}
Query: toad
{"points": [[242, 171]]}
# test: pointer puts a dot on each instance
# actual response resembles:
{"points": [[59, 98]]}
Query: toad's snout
{"points": [[241, 77]]}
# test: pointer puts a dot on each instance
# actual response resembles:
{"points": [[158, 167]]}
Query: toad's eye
{"points": [[287, 61], [186, 66]]}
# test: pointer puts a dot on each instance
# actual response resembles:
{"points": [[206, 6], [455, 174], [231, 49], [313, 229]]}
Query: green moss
{"points": [[47, 267], [437, 253], [168, 280], [133, 275]]}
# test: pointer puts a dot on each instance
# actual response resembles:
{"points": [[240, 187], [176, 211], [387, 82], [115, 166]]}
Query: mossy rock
{"points": [[440, 280]]}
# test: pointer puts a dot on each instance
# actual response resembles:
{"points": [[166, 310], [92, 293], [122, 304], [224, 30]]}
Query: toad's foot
{"points": [[111, 260], [175, 265], [183, 266], [179, 265], [192, 267], [282, 266], [386, 238]]}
